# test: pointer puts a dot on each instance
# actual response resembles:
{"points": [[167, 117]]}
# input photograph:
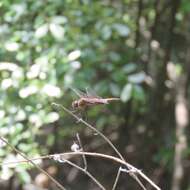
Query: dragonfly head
{"points": [[75, 104]]}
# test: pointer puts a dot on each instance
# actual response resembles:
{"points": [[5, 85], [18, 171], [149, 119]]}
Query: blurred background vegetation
{"points": [[138, 50]]}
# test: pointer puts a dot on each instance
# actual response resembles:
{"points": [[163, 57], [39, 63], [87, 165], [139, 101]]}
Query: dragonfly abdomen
{"points": [[91, 101]]}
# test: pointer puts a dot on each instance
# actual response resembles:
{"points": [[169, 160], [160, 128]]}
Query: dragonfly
{"points": [[87, 100]]}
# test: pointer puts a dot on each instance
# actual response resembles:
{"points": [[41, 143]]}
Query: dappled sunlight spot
{"points": [[11, 46], [75, 64], [172, 70], [68, 79], [39, 106], [6, 83], [35, 120], [42, 75], [13, 109], [4, 130], [27, 91], [51, 90], [39, 68], [8, 66], [74, 55], [34, 71], [181, 114], [2, 114], [52, 117], [20, 116], [19, 9], [155, 45], [43, 60], [4, 28], [28, 108], [17, 74], [6, 172]]}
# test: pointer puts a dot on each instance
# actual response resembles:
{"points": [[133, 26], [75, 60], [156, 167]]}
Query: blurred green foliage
{"points": [[49, 46]]}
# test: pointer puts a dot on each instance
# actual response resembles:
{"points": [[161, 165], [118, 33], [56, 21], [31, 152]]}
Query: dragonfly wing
{"points": [[91, 93], [78, 92]]}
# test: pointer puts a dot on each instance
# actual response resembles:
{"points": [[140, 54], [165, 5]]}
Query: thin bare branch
{"points": [[83, 156], [92, 128], [31, 162], [115, 159], [116, 179], [100, 133], [87, 173]]}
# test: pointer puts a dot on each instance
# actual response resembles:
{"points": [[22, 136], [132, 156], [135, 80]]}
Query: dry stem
{"points": [[31, 162], [115, 159], [107, 140]]}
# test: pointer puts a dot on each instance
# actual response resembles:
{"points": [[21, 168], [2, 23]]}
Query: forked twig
{"points": [[84, 171], [34, 164], [132, 174]]}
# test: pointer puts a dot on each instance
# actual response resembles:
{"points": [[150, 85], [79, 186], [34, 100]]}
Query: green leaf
{"points": [[114, 89], [126, 92], [137, 78], [130, 67], [106, 32], [59, 20], [41, 31], [57, 31], [138, 93], [23, 175], [121, 29]]}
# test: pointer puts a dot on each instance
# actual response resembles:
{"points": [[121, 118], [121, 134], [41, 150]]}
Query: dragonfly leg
{"points": [[85, 116], [79, 115], [87, 91]]}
